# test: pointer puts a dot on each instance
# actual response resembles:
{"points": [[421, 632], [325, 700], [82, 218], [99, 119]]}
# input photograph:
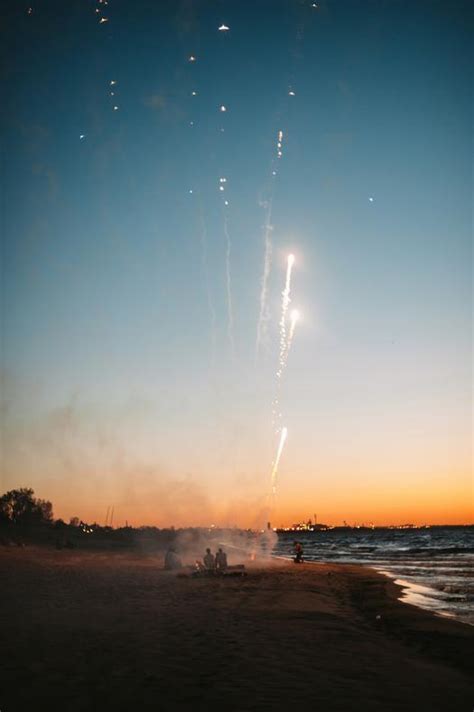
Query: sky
{"points": [[141, 305]]}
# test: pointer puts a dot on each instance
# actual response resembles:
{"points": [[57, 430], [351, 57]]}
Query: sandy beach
{"points": [[100, 631]]}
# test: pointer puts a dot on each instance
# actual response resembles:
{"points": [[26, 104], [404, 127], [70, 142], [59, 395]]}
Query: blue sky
{"points": [[112, 269]]}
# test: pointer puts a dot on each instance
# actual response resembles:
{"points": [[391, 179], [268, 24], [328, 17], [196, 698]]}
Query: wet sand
{"points": [[100, 631]]}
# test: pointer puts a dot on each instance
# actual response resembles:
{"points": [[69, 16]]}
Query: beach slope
{"points": [[98, 631]]}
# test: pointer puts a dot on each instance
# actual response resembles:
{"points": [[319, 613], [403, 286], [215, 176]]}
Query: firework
{"points": [[284, 309], [283, 436], [294, 317]]}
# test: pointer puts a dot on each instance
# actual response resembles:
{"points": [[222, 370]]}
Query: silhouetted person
{"points": [[298, 549], [209, 560], [172, 560], [221, 560]]}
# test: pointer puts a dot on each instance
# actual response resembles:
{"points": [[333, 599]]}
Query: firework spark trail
{"points": [[285, 302], [230, 311], [283, 436], [285, 342], [205, 270], [294, 317]]}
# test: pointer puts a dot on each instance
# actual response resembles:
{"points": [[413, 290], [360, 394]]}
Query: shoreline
{"points": [[104, 630], [408, 589]]}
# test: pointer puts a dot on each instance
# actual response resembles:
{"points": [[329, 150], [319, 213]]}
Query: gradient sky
{"points": [[119, 383]]}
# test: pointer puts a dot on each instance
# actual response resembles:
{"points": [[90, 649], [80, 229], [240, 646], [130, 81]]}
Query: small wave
{"points": [[439, 550]]}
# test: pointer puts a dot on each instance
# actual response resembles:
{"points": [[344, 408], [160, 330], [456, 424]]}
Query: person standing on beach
{"points": [[298, 552], [221, 560], [209, 560]]}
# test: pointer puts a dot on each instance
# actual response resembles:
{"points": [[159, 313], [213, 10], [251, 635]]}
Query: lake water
{"points": [[435, 565]]}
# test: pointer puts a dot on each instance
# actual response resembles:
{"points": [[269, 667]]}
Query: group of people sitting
{"points": [[211, 563], [217, 563]]}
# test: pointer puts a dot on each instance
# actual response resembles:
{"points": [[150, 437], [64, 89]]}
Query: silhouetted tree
{"points": [[74, 522], [20, 507]]}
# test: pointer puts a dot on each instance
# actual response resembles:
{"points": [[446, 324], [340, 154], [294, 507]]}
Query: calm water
{"points": [[435, 566]]}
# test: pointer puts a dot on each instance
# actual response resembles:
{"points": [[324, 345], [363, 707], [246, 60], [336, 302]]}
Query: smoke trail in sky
{"points": [[264, 316], [230, 311], [267, 261], [283, 436], [205, 270]]}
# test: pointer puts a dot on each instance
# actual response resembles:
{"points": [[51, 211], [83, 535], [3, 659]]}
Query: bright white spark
{"points": [[82, 136], [102, 20], [224, 28], [223, 108], [283, 436], [371, 200], [194, 93], [113, 81], [115, 108], [291, 93], [192, 58]]}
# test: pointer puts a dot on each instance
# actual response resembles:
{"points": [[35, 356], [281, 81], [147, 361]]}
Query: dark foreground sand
{"points": [[83, 631]]}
